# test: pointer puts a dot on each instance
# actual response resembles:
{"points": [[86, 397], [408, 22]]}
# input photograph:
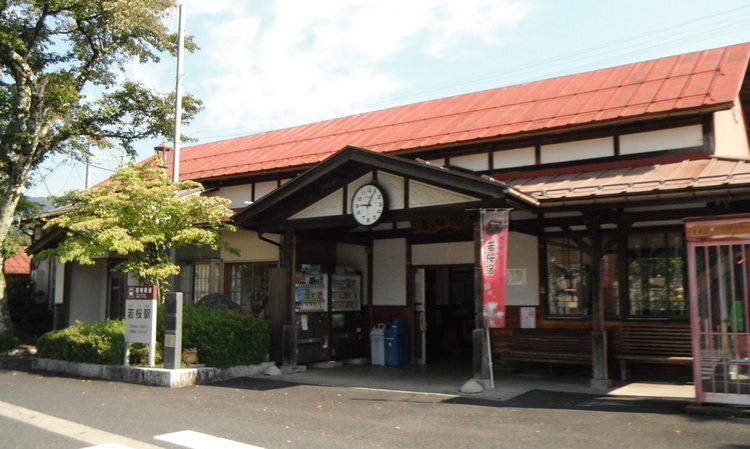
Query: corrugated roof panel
{"points": [[699, 84], [671, 178], [686, 64], [653, 178], [616, 77], [639, 73], [662, 85], [672, 88], [662, 106], [645, 93], [684, 176], [622, 97]]}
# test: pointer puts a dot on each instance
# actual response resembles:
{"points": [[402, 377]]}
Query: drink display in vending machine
{"points": [[345, 316], [311, 311]]}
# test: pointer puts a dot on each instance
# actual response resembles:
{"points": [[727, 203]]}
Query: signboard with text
{"points": [[140, 314], [494, 255]]}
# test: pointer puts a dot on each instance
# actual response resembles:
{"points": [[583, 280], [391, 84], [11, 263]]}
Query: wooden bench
{"points": [[551, 346], [657, 343]]}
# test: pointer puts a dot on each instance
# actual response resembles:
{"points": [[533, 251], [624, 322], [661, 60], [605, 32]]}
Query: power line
{"points": [[554, 66]]}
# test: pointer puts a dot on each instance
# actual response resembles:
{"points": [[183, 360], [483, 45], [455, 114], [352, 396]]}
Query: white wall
{"points": [[518, 157], [88, 293], [665, 139], [389, 272], [240, 196], [252, 249], [475, 162], [730, 134], [523, 268], [578, 150], [454, 253], [354, 256]]}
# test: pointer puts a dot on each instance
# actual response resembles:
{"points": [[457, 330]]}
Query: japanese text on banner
{"points": [[494, 266]]}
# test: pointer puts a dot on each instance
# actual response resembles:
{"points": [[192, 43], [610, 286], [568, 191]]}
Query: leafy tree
{"points": [[63, 89], [137, 215]]}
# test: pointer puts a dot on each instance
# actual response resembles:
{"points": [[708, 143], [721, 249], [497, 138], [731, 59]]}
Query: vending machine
{"points": [[346, 324], [311, 312]]}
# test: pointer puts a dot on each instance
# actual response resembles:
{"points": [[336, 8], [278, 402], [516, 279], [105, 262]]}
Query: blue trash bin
{"points": [[397, 343]]}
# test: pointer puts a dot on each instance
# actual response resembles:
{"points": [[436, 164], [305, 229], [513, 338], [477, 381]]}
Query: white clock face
{"points": [[368, 204]]}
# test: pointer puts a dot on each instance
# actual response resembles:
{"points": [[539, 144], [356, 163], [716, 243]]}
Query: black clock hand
{"points": [[369, 202]]}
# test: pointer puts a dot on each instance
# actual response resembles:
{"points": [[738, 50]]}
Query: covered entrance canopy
{"points": [[316, 206]]}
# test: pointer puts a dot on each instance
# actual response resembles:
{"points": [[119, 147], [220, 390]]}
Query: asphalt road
{"points": [[39, 410]]}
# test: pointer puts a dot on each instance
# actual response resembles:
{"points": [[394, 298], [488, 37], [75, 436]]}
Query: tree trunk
{"points": [[11, 195]]}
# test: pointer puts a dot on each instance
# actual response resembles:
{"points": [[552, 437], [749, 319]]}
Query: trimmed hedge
{"points": [[7, 342], [223, 337], [101, 343]]}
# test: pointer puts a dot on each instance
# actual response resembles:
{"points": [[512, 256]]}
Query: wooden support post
{"points": [[600, 372]]}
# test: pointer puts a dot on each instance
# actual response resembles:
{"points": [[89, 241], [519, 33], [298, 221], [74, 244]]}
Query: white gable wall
{"points": [[730, 134]]}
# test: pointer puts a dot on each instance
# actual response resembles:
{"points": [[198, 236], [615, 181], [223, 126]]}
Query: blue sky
{"points": [[270, 64]]}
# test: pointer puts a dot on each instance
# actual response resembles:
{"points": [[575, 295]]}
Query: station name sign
{"points": [[140, 313]]}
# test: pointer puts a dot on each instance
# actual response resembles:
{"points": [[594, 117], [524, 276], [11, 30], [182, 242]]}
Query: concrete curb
{"points": [[155, 377]]}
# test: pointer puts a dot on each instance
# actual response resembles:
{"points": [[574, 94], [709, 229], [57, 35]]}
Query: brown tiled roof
{"points": [[615, 181], [18, 264], [709, 79]]}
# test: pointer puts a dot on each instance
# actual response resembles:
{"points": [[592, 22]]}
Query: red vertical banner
{"points": [[494, 265]]}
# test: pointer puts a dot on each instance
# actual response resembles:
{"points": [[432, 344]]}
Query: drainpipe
{"points": [[267, 240]]}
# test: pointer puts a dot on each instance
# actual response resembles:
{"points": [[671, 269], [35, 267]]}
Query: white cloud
{"points": [[283, 62]]}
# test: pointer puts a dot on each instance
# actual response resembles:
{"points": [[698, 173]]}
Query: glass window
{"points": [[201, 280], [569, 279], [248, 285], [568, 269], [185, 282], [656, 282]]}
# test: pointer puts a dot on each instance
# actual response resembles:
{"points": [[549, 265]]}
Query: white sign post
{"points": [[140, 319]]}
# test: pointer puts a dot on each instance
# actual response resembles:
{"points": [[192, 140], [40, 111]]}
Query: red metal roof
{"points": [[18, 264], [704, 79], [660, 176]]}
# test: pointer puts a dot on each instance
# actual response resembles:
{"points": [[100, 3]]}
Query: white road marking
{"points": [[197, 440], [70, 429], [109, 446]]}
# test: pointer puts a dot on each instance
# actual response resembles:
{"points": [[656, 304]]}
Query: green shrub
{"points": [[100, 343], [7, 342], [224, 337]]}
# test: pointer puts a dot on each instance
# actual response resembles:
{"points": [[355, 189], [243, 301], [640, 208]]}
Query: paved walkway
{"points": [[449, 379]]}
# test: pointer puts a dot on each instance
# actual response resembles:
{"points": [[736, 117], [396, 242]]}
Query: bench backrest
{"points": [[661, 339], [551, 341]]}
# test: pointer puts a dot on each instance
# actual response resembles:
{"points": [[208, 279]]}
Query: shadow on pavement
{"points": [[545, 399]]}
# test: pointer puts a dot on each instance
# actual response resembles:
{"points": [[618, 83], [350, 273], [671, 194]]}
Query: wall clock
{"points": [[369, 204]]}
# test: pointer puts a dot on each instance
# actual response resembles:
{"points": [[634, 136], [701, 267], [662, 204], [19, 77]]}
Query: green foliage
{"points": [[225, 338], [137, 215], [63, 90], [101, 343], [7, 342]]}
